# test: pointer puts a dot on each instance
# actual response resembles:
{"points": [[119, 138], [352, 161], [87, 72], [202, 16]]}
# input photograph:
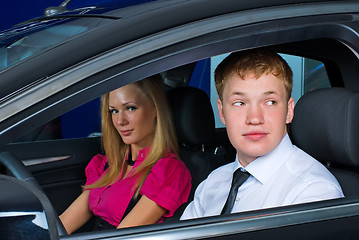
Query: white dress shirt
{"points": [[285, 176]]}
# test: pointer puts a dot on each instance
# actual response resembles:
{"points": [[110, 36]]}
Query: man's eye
{"points": [[271, 102], [239, 103]]}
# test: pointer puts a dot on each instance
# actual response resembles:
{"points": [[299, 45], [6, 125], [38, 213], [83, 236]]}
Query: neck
{"points": [[134, 151], [131, 159], [245, 162]]}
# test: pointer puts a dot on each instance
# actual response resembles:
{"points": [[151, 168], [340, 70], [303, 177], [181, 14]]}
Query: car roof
{"points": [[160, 15]]}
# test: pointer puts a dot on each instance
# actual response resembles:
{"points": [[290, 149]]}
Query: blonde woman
{"points": [[141, 179]]}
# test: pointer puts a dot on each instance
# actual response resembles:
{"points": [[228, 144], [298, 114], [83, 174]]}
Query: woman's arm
{"points": [[144, 212], [77, 214]]}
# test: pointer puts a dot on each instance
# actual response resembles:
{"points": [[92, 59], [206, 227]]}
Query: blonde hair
{"points": [[116, 150], [257, 61]]}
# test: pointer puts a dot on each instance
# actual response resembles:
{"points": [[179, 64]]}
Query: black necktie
{"points": [[239, 177]]}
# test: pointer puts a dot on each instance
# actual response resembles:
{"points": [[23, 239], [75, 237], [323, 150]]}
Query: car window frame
{"points": [[180, 51], [277, 221]]}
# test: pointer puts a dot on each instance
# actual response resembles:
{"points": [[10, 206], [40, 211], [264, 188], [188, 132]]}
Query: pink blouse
{"points": [[168, 184]]}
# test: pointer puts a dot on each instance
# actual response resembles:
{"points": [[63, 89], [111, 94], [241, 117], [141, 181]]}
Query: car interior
{"points": [[324, 126], [332, 141]]}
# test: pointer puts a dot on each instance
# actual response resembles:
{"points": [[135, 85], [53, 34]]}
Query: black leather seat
{"points": [[325, 125], [195, 127]]}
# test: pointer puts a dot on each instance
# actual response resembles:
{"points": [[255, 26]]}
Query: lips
{"points": [[126, 132], [255, 136]]}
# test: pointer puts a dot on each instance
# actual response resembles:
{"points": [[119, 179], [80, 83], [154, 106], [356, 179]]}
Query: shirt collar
{"points": [[263, 167], [142, 155]]}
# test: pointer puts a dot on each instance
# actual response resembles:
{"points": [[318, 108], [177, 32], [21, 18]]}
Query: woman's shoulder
{"points": [[97, 164], [169, 172], [170, 160]]}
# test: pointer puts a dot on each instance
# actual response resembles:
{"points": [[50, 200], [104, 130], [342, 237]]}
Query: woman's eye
{"points": [[131, 108], [113, 111]]}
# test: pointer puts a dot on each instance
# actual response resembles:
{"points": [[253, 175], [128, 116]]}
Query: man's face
{"points": [[255, 112]]}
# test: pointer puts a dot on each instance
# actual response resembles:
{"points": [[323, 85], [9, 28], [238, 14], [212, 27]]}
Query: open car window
{"points": [[318, 39], [85, 121]]}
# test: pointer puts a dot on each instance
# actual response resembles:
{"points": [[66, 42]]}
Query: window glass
{"points": [[81, 122], [315, 75], [26, 40]]}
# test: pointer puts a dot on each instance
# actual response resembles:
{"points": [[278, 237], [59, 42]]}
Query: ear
{"points": [[220, 110], [290, 112]]}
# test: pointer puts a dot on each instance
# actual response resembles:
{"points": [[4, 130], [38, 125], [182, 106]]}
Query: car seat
{"points": [[195, 126], [325, 125]]}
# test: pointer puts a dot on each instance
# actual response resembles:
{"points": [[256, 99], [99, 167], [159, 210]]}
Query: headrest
{"points": [[193, 115], [325, 125]]}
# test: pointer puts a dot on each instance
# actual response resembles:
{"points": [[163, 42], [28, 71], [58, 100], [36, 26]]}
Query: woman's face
{"points": [[133, 116]]}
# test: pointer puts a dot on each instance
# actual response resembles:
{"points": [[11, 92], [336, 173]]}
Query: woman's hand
{"points": [[144, 212], [77, 214]]}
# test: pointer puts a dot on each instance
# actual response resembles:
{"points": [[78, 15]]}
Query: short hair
{"points": [[254, 61]]}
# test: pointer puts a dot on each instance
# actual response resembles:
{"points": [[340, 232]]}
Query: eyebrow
{"points": [[124, 104], [271, 92], [243, 94], [237, 93]]}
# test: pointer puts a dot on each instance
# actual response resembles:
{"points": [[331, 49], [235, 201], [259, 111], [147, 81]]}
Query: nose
{"points": [[120, 119], [254, 115]]}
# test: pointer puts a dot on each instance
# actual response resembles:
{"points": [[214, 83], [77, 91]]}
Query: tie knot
{"points": [[239, 177]]}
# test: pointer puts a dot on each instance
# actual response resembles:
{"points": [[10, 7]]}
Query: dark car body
{"points": [[54, 64]]}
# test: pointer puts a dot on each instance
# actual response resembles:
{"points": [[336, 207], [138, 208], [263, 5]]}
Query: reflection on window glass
{"points": [[315, 75], [15, 49], [27, 40]]}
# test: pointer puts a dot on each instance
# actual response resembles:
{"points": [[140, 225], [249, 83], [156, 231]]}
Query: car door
{"points": [[285, 27], [58, 165]]}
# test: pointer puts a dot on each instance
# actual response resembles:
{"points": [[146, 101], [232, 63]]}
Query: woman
{"points": [[141, 162]]}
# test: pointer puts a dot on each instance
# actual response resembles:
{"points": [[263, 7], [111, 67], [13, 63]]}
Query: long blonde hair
{"points": [[116, 150]]}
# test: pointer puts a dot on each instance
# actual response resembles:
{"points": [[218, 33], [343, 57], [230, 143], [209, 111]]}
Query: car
{"points": [[55, 68]]}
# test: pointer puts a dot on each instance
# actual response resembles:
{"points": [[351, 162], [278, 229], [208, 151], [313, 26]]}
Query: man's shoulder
{"points": [[305, 166], [305, 160]]}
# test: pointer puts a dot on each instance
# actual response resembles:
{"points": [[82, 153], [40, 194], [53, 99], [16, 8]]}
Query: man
{"points": [[255, 104]]}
